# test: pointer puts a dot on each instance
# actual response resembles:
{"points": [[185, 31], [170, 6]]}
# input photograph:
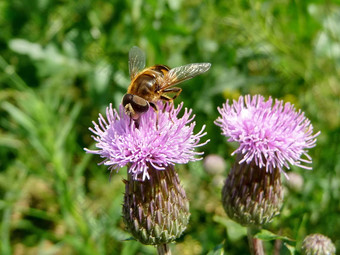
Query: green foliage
{"points": [[63, 62]]}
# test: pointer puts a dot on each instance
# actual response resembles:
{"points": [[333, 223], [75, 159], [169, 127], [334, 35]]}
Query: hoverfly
{"points": [[148, 85]]}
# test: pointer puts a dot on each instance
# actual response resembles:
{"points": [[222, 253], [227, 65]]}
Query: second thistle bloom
{"points": [[271, 135]]}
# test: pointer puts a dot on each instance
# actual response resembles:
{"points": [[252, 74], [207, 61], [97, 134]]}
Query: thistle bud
{"points": [[251, 195], [317, 244], [156, 210]]}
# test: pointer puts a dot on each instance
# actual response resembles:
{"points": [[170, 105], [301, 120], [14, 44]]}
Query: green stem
{"points": [[163, 249], [255, 245]]}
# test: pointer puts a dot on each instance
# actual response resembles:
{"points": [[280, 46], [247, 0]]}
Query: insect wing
{"points": [[183, 73], [136, 61]]}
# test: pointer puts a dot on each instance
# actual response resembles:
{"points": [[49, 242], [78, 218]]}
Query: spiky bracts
{"points": [[251, 196], [156, 210]]}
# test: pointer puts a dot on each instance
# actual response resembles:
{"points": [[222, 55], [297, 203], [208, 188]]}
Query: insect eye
{"points": [[137, 103], [127, 99]]}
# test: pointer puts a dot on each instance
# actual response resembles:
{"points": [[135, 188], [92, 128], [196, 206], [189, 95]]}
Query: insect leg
{"points": [[171, 99], [175, 90], [154, 106], [168, 99]]}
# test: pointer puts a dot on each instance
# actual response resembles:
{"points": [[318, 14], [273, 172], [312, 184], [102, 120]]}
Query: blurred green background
{"points": [[62, 62]]}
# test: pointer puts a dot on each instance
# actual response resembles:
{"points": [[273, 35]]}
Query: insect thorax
{"points": [[148, 83]]}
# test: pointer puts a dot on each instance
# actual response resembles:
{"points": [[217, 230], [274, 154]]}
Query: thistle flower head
{"points": [[121, 142], [271, 135]]}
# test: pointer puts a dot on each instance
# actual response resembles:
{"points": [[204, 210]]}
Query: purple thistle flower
{"points": [[269, 135], [120, 142]]}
